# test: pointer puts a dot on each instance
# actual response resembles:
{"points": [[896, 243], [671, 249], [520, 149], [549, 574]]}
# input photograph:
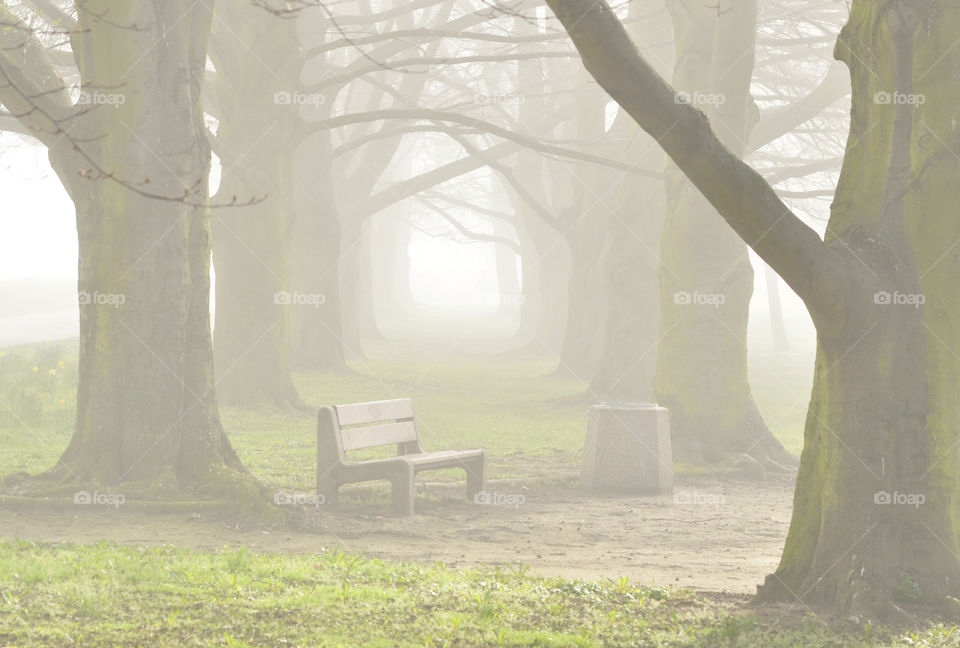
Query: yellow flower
{"points": [[61, 365], [62, 401], [53, 372], [2, 354], [47, 343], [36, 369]]}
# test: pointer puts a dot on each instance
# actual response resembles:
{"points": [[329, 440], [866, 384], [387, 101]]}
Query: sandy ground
{"points": [[710, 535]]}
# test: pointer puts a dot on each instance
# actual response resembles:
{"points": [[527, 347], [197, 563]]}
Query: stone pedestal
{"points": [[628, 449]]}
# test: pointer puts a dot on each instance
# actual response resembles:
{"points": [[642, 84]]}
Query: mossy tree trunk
{"points": [[146, 410], [706, 280], [876, 521], [257, 137]]}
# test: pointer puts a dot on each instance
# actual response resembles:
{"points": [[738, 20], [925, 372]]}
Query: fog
{"points": [[479, 323]]}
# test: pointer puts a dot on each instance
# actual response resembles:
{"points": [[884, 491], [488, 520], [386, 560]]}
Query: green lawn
{"points": [[104, 595]]}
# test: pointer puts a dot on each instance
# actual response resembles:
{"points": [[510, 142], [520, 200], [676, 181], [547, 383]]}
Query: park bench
{"points": [[358, 426]]}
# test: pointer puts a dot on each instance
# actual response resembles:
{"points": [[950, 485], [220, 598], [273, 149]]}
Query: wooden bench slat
{"points": [[400, 408], [371, 436]]}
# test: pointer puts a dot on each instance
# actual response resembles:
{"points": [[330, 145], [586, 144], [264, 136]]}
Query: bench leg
{"points": [[476, 477], [402, 490], [330, 491]]}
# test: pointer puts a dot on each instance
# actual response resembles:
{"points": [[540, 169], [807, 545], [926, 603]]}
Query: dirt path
{"points": [[711, 535]]}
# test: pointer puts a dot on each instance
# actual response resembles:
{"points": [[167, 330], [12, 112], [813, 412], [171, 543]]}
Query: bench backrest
{"points": [[378, 423]]}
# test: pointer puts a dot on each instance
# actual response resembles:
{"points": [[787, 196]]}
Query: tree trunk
{"points": [[628, 359], [781, 344], [588, 240], [251, 244], [146, 410], [706, 279], [876, 518], [317, 328]]}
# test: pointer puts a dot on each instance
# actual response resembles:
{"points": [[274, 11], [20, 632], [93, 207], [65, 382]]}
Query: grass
{"points": [[106, 595], [531, 426]]}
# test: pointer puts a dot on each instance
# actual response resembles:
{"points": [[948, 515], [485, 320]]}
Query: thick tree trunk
{"points": [[875, 521], [146, 410], [252, 244], [706, 279]]}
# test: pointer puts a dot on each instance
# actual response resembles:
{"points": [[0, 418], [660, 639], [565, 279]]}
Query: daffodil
{"points": [[61, 364], [36, 369], [52, 372]]}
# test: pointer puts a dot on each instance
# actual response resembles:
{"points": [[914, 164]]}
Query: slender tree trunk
{"points": [[781, 344], [317, 326], [508, 275], [588, 239]]}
